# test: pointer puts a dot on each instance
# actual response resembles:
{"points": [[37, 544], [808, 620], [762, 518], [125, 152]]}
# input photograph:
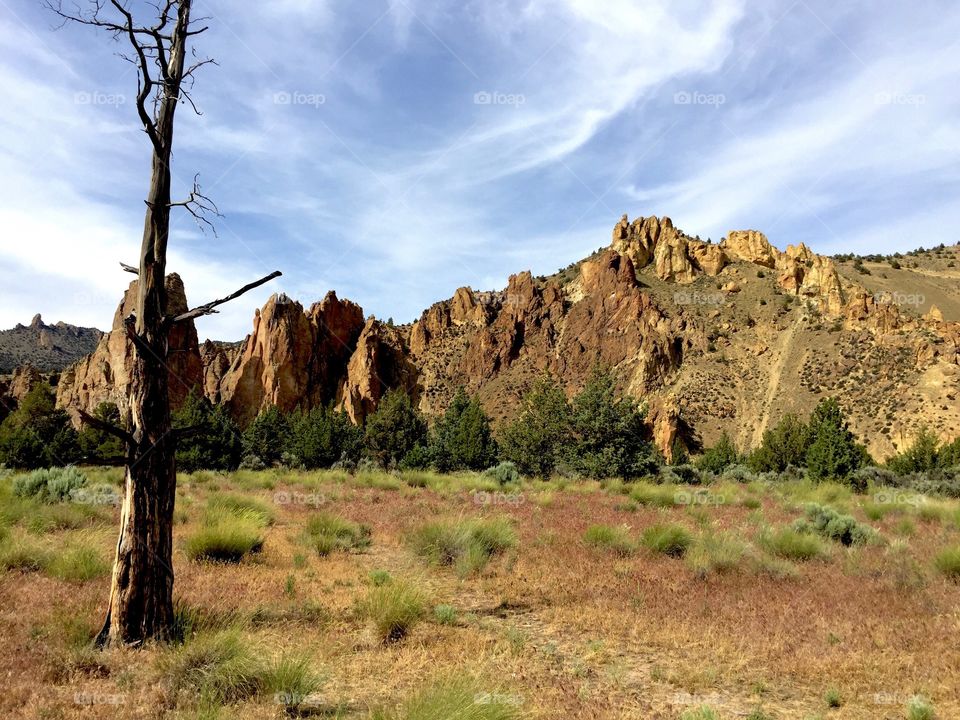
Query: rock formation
{"points": [[753, 333], [104, 375]]}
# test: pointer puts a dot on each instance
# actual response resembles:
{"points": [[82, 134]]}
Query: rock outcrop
{"points": [[292, 358], [49, 348], [759, 332], [104, 375]]}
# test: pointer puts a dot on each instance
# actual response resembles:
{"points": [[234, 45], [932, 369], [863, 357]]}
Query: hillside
{"points": [[727, 336], [47, 347]]}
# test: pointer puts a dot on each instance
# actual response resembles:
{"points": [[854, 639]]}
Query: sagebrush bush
{"points": [[329, 533], [672, 540], [394, 609], [505, 473], [828, 523], [52, 485], [738, 473], [466, 544], [608, 537]]}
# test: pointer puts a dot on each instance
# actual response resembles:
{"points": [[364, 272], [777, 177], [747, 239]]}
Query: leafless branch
{"points": [[107, 427], [210, 307], [200, 206], [129, 268]]}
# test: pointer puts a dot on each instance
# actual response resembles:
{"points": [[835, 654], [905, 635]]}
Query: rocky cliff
{"points": [[49, 348], [713, 337], [104, 375]]}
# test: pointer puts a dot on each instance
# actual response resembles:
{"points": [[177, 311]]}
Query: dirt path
{"points": [[782, 349]]}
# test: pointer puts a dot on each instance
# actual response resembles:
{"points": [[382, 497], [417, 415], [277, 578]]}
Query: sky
{"points": [[395, 150]]}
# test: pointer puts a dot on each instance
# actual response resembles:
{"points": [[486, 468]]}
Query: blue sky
{"points": [[396, 150]]}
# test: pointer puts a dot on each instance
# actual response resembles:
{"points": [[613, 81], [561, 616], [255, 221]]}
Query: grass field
{"points": [[420, 596]]}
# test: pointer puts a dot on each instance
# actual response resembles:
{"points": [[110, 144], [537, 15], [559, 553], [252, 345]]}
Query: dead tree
{"points": [[141, 590]]}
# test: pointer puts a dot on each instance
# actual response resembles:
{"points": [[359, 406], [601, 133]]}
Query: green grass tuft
{"points": [[329, 533], [792, 544], [455, 700], [608, 537], [394, 609], [672, 540], [919, 709], [466, 544], [948, 562]]}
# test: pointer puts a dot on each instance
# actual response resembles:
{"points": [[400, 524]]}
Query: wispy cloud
{"points": [[395, 150]]}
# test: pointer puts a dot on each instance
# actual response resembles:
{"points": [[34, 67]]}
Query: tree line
{"points": [[596, 434]]}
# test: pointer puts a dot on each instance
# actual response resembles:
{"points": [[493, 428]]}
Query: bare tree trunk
{"points": [[141, 590]]}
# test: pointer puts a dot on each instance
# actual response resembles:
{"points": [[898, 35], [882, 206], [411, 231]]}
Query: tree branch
{"points": [[209, 308], [199, 205], [129, 268], [107, 427]]}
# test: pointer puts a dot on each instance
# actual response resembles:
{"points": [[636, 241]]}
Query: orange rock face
{"points": [[104, 375]]}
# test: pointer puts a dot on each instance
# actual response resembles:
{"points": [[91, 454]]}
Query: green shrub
{"points": [[505, 473], [827, 522], [394, 609], [948, 562], [461, 439], [720, 456], [380, 577], [218, 442], [99, 446], [833, 698], [328, 533], [783, 445], [445, 614], [466, 544], [536, 439], [672, 540], [920, 709], [267, 437], [921, 456], [615, 539], [792, 544], [53, 485], [394, 430], [834, 453], [37, 434]]}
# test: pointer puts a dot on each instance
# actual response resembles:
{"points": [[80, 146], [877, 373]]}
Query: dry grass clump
{"points": [[608, 537], [327, 533], [467, 545], [394, 608]]}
